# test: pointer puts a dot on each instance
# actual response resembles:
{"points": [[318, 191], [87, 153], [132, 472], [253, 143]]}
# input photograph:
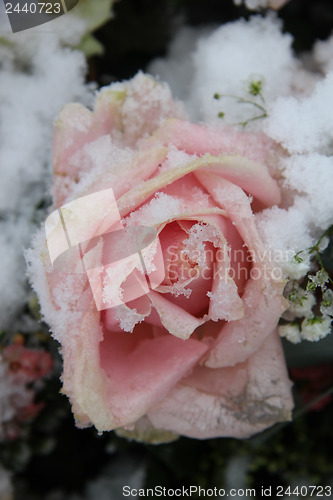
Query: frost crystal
{"points": [[326, 307], [318, 280], [301, 303]]}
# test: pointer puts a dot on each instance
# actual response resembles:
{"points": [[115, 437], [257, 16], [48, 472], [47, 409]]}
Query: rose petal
{"points": [[123, 318], [225, 303], [239, 257], [230, 402], [113, 382], [77, 127], [83, 380], [236, 168], [138, 168], [142, 373], [175, 319], [263, 305], [263, 297], [250, 153], [237, 205], [199, 139], [141, 116], [107, 110], [71, 132]]}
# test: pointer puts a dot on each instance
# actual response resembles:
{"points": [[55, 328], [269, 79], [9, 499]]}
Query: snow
{"points": [[38, 76], [178, 68], [226, 61], [304, 125], [160, 209], [323, 54]]}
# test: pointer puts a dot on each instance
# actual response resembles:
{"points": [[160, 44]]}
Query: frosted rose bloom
{"points": [[199, 355]]}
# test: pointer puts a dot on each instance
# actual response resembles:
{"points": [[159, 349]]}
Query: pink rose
{"points": [[27, 365], [199, 354], [23, 370]]}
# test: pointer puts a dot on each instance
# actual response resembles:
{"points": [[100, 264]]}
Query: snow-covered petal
{"points": [[229, 402]]}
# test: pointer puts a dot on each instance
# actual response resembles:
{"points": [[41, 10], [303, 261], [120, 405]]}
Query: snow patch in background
{"points": [[202, 63], [178, 68], [236, 54], [304, 126], [38, 76], [323, 54]]}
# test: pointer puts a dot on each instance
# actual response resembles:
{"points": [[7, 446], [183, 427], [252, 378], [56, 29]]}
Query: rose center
{"points": [[181, 266]]}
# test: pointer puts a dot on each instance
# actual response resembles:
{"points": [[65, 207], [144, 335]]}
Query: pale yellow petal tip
{"points": [[69, 113], [82, 421], [111, 96], [148, 435]]}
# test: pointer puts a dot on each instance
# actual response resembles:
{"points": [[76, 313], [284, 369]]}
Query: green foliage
{"points": [[319, 282], [255, 90], [255, 87], [95, 14]]}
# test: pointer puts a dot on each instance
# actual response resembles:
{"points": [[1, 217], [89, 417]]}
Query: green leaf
{"points": [[90, 46], [6, 43], [255, 87], [96, 13]]}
